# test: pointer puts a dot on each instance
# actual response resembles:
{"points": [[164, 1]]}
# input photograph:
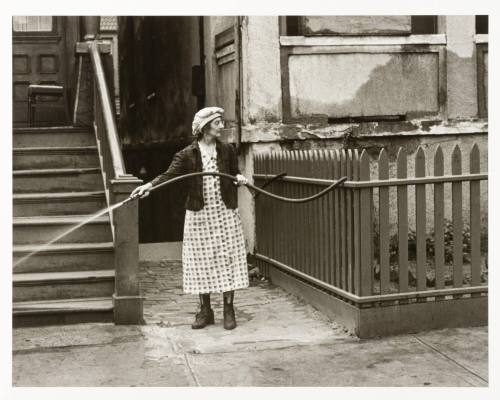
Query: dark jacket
{"points": [[188, 160]]}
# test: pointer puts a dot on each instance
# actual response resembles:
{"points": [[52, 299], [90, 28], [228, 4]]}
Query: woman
{"points": [[213, 248]]}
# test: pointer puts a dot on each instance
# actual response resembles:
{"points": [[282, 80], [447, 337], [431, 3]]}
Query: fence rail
{"points": [[339, 244]]}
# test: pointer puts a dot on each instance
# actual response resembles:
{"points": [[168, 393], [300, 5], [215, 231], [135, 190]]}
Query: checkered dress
{"points": [[213, 249]]}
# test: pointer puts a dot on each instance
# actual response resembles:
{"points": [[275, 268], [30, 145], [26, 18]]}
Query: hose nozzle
{"points": [[130, 198]]}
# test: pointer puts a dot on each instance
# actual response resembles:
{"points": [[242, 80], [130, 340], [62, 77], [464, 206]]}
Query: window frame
{"points": [[37, 33], [331, 44]]}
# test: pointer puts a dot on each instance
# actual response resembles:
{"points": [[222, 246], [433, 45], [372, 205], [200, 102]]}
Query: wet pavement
{"points": [[279, 341]]}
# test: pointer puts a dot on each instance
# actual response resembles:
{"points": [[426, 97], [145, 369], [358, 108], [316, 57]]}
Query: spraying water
{"points": [[67, 232]]}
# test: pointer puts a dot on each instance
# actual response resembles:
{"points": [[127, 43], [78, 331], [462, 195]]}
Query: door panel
{"points": [[38, 45]]}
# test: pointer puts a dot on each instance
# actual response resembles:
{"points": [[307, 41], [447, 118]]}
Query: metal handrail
{"points": [[105, 100]]}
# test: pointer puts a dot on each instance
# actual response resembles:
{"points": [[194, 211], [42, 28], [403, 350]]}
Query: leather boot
{"points": [[229, 318], [206, 314]]}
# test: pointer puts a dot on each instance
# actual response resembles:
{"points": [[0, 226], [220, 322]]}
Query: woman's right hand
{"points": [[142, 191]]}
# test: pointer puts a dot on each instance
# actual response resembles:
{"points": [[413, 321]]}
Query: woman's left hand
{"points": [[241, 180]]}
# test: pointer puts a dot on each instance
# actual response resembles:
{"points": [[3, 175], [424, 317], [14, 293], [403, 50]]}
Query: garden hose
{"points": [[338, 182]]}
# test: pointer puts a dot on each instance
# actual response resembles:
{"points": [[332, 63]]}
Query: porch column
{"points": [[83, 112], [127, 301], [90, 26]]}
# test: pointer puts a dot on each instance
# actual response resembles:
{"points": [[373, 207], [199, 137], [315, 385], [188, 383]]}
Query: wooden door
{"points": [[39, 57], [228, 79]]}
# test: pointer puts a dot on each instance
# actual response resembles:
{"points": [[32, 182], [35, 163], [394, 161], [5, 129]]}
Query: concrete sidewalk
{"points": [[279, 341]]}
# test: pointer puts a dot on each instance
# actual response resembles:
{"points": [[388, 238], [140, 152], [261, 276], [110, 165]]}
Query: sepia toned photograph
{"points": [[249, 201]]}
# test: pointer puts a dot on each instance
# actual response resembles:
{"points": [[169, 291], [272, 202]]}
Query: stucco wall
{"points": [[461, 66], [363, 84], [261, 70]]}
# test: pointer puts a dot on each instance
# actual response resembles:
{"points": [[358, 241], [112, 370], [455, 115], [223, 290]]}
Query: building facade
{"points": [[361, 82], [301, 82]]}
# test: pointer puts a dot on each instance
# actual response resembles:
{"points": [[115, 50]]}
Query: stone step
{"points": [[63, 285], [53, 136], [55, 157], [57, 180], [64, 257], [39, 230], [53, 312], [71, 203]]}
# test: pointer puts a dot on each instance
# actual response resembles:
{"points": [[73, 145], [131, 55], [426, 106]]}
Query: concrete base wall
{"points": [[388, 320]]}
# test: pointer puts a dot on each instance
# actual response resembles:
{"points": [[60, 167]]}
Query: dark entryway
{"points": [[158, 101]]}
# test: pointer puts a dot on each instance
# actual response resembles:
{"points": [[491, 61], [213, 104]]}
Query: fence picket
{"points": [[383, 173], [366, 227], [420, 217], [336, 171], [331, 220], [292, 171], [287, 210], [276, 209], [313, 156], [323, 223], [331, 238], [350, 239], [343, 222], [302, 213], [356, 221], [402, 191], [283, 211], [456, 196], [475, 219], [439, 219]]}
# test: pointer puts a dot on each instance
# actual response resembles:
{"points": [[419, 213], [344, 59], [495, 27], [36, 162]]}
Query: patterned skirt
{"points": [[213, 249]]}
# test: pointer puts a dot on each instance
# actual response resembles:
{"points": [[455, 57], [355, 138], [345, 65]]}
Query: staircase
{"points": [[57, 182]]}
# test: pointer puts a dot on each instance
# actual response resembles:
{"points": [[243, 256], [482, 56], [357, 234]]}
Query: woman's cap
{"points": [[204, 116]]}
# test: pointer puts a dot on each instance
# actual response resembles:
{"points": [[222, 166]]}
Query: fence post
{"points": [[366, 227], [127, 301]]}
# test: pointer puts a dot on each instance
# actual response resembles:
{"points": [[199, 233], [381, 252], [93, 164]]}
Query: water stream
{"points": [[85, 221]]}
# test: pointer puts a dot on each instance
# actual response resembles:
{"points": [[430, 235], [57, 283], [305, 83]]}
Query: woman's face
{"points": [[214, 128]]}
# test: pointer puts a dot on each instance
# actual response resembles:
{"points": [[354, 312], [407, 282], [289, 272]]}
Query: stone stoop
{"points": [[57, 183]]}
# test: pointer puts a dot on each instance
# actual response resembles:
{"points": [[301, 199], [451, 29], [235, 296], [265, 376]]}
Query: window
{"points": [[32, 24], [481, 24], [423, 24], [359, 25]]}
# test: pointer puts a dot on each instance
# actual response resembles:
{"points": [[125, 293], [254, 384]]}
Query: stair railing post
{"points": [[127, 300]]}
